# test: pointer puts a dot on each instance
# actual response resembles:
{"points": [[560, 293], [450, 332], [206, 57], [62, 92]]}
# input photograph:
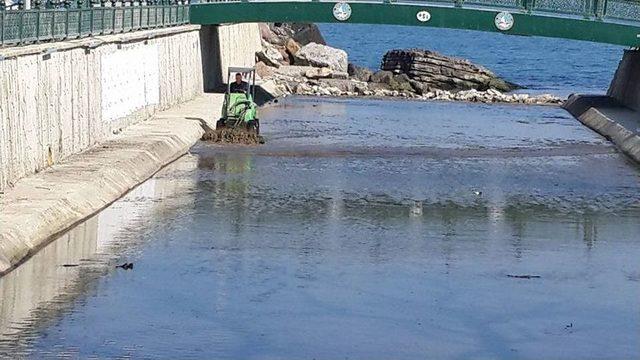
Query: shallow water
{"points": [[358, 233]]}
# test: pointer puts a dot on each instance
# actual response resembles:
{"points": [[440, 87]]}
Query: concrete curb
{"points": [[43, 206], [588, 110]]}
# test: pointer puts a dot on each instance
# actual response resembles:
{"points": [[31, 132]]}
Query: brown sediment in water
{"points": [[233, 136]]}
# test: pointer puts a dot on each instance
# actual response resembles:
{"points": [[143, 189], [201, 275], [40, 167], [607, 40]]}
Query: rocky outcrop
{"points": [[270, 56], [299, 66], [319, 55], [429, 70]]}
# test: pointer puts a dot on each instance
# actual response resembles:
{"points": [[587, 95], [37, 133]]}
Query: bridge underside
{"points": [[444, 16]]}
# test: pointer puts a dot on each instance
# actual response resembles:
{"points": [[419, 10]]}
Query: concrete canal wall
{"points": [[54, 287], [43, 206], [59, 99], [615, 116], [625, 87], [71, 136]]}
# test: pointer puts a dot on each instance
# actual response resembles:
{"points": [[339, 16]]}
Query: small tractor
{"points": [[238, 110]]}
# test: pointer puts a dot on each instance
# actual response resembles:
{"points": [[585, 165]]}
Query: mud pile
{"points": [[232, 136]]}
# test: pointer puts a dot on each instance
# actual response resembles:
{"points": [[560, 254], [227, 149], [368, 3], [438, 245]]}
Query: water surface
{"points": [[363, 232]]}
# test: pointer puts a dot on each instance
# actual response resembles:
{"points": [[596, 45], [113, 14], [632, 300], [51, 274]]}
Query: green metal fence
{"points": [[31, 26]]}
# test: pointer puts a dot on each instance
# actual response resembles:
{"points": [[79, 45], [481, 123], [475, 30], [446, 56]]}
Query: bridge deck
{"points": [[606, 21]]}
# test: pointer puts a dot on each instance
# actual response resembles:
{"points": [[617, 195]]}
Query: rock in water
{"points": [[431, 70], [322, 56]]}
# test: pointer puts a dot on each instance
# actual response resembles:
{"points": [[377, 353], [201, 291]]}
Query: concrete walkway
{"points": [[42, 206]]}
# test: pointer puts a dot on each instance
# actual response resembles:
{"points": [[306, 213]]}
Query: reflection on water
{"points": [[46, 286], [383, 249]]}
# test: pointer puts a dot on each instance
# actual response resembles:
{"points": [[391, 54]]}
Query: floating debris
{"points": [[125, 266], [416, 208], [524, 276]]}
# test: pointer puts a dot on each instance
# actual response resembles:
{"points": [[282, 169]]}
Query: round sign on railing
{"points": [[423, 16], [342, 11], [504, 21]]}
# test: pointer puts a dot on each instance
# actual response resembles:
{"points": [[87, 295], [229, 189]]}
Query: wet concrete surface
{"points": [[364, 233]]}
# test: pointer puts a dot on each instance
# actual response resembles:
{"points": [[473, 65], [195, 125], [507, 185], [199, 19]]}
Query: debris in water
{"points": [[233, 136], [416, 209], [524, 276], [125, 266]]}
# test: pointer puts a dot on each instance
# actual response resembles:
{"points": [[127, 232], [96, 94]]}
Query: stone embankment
{"points": [[298, 60]]}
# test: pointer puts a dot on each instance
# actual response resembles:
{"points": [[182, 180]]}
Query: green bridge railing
{"points": [[55, 20], [614, 10], [66, 20]]}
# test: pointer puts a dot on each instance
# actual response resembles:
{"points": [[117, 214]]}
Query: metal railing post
{"points": [[21, 23], [599, 8], [79, 22], [53, 24], [38, 25], [66, 23], [102, 25], [2, 25]]}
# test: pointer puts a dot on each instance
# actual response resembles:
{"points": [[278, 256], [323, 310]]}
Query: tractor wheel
{"points": [[220, 124]]}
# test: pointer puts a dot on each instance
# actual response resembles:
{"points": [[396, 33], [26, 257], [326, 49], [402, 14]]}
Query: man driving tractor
{"points": [[239, 109], [239, 86]]}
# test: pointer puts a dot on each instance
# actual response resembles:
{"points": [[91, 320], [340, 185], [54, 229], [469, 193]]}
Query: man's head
{"points": [[238, 78]]}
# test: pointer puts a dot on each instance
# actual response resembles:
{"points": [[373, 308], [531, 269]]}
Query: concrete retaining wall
{"points": [[608, 118], [43, 206], [625, 87], [61, 98]]}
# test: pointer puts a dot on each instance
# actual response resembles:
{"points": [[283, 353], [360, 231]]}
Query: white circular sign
{"points": [[504, 21], [342, 11], [423, 16]]}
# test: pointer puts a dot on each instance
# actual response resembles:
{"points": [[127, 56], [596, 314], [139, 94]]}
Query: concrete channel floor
{"points": [[42, 206]]}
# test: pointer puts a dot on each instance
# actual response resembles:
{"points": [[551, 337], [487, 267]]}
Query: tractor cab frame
{"points": [[239, 109]]}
